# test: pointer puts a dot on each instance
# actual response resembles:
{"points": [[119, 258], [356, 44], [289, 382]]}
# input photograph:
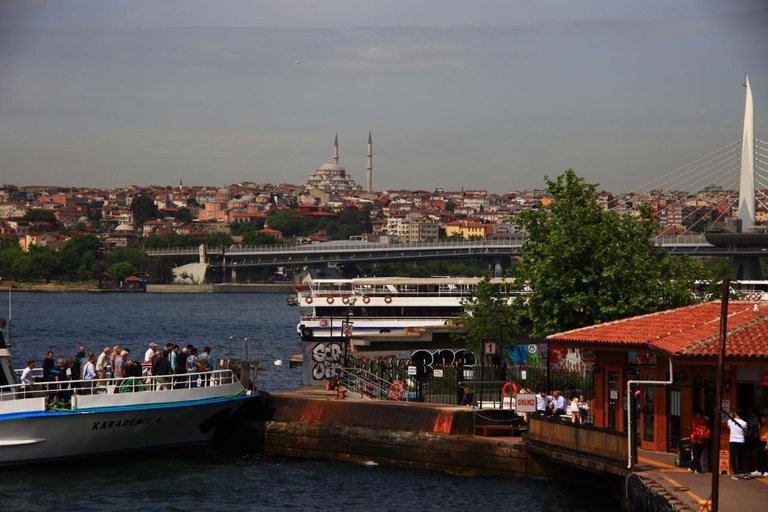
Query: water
{"points": [[221, 482]]}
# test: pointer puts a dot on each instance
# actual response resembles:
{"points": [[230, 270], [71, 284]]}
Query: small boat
{"points": [[53, 421]]}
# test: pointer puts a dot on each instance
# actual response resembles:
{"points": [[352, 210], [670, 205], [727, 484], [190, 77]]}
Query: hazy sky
{"points": [[481, 94]]}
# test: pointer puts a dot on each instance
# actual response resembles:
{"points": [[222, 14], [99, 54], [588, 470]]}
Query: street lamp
{"points": [[347, 330]]}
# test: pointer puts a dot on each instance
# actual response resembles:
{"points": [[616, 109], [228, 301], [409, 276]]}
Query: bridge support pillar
{"points": [[747, 268], [233, 275], [498, 267]]}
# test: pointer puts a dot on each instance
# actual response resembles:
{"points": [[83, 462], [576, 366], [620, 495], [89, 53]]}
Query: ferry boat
{"points": [[333, 307], [54, 421]]}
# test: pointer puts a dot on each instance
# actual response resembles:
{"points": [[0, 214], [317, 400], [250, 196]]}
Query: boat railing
{"points": [[63, 389], [367, 384]]}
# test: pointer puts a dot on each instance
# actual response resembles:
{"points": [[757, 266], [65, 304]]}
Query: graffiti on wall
{"points": [[325, 357]]}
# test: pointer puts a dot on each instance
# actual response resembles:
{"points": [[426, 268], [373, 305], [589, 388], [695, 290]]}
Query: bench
{"points": [[500, 430]]}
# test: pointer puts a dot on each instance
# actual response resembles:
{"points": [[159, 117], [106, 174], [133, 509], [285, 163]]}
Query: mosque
{"points": [[333, 178]]}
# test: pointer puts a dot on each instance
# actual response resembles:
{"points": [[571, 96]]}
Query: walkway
{"points": [[689, 490]]}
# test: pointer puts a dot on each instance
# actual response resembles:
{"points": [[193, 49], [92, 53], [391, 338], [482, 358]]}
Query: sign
{"points": [[523, 374], [614, 394], [526, 402], [437, 373], [490, 348], [532, 349], [324, 322], [348, 329], [411, 370]]}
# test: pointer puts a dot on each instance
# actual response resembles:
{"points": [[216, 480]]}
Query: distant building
{"points": [[332, 177]]}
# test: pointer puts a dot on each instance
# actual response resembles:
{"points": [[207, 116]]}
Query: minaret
{"points": [[369, 168], [335, 157], [747, 181]]}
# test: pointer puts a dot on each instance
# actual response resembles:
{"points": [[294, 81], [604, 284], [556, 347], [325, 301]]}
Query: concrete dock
{"points": [[315, 424]]}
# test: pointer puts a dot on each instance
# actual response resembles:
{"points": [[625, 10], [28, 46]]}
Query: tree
{"points": [[485, 316], [41, 216], [260, 238], [79, 257], [586, 265], [218, 239], [184, 215], [143, 209], [119, 271]]}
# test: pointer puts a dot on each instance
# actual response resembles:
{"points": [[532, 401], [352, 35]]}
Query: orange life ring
{"points": [[366, 299], [387, 299], [308, 300], [345, 299], [329, 300], [509, 389], [396, 390]]}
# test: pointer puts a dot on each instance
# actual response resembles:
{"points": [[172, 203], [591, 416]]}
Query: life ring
{"points": [[387, 299], [396, 390], [131, 385], [308, 300], [329, 300], [345, 299], [509, 389], [366, 299]]}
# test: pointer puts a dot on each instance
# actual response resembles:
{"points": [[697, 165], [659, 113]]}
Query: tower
{"points": [[335, 157], [747, 181], [369, 168]]}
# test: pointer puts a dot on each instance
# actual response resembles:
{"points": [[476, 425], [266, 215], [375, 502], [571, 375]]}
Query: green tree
{"points": [[260, 238], [119, 271], [488, 315], [80, 256], [41, 216], [93, 210], [184, 215], [43, 263], [143, 209], [586, 265], [218, 239]]}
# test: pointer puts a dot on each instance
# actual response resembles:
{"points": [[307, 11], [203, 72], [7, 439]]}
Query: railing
{"points": [[64, 389], [370, 385], [588, 442]]}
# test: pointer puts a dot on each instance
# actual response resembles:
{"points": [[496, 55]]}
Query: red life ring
{"points": [[509, 389], [329, 300], [345, 299], [366, 299], [396, 390], [308, 300], [387, 299]]}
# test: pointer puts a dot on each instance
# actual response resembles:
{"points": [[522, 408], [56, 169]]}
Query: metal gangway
{"points": [[370, 385]]}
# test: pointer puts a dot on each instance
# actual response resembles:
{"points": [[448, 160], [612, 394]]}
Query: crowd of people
{"points": [[86, 371]]}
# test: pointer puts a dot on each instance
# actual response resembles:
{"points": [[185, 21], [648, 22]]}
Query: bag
{"points": [[702, 432]]}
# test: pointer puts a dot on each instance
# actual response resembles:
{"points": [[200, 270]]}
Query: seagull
{"points": [[296, 61]]}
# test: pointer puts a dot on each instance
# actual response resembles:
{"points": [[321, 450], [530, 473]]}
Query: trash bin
{"points": [[684, 455]]}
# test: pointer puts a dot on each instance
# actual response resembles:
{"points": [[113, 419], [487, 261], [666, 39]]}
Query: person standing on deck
{"points": [[114, 355], [48, 363], [101, 366]]}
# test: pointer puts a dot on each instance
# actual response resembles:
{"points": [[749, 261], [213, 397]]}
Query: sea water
{"points": [[224, 482]]}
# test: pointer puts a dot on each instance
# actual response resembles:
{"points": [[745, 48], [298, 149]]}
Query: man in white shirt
{"points": [[101, 366], [150, 353], [738, 449], [542, 401], [26, 376], [557, 405]]}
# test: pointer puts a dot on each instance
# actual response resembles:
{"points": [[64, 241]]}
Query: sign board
{"points": [[490, 348], [532, 349], [526, 402], [523, 374], [411, 370], [437, 373], [614, 394], [348, 329]]}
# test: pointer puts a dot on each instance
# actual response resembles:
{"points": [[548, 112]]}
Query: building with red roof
{"points": [[640, 348]]}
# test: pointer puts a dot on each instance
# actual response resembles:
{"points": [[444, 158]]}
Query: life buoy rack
{"points": [[509, 389], [396, 390], [387, 299], [308, 300], [345, 299], [366, 299], [329, 300]]}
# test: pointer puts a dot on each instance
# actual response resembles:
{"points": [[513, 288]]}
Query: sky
{"points": [[487, 94]]}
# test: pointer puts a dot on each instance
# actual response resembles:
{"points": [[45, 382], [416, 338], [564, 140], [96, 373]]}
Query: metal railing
{"points": [[65, 388], [367, 384]]}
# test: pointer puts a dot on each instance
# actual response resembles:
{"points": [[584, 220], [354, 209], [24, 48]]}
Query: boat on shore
{"points": [[53, 421]]}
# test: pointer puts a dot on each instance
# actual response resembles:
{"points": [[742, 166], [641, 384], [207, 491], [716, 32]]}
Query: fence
{"points": [[443, 384]]}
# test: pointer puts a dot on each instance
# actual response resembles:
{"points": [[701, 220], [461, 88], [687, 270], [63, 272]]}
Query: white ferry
{"points": [[53, 421], [335, 307]]}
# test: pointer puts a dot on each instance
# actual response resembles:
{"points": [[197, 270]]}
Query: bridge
{"points": [[744, 243]]}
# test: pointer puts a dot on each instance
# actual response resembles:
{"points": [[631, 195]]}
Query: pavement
{"points": [[692, 491]]}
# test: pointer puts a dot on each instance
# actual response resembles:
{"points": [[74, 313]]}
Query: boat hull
{"points": [[29, 438]]}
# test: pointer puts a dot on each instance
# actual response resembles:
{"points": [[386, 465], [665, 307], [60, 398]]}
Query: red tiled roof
{"points": [[687, 332]]}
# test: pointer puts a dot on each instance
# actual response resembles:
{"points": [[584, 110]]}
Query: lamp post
{"points": [[347, 331]]}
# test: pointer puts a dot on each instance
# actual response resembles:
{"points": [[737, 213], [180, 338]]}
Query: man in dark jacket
{"points": [[161, 369]]}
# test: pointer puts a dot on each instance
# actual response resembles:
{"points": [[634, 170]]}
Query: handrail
{"points": [[110, 385], [371, 385]]}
